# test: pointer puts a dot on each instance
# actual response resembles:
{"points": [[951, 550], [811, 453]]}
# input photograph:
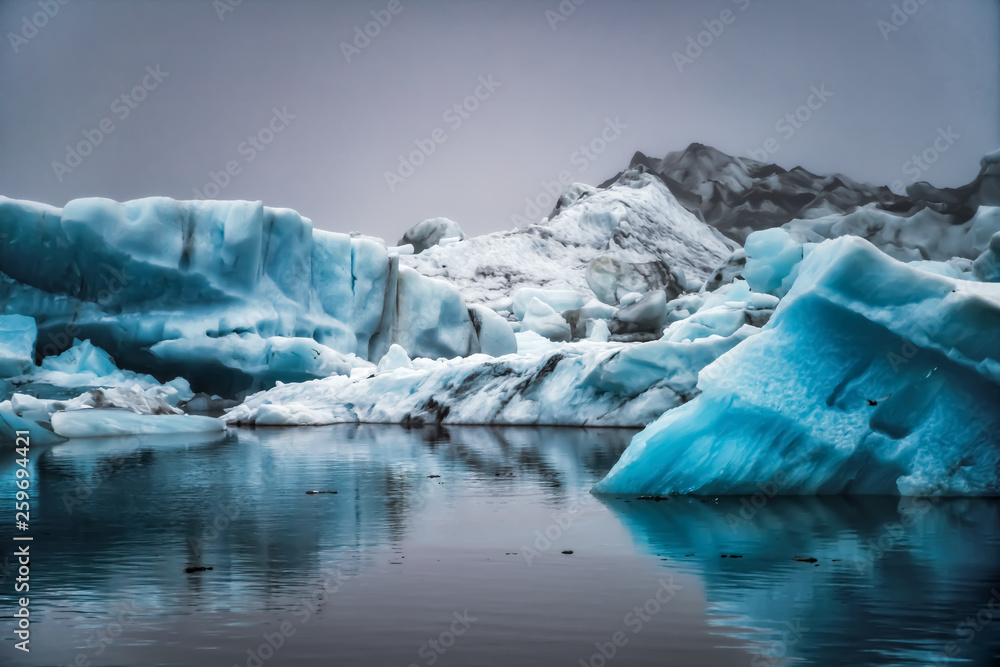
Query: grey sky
{"points": [[891, 92]]}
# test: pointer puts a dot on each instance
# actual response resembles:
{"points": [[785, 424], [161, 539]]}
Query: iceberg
{"points": [[101, 423], [603, 313], [86, 366], [253, 361], [17, 344], [541, 318], [237, 273], [634, 224], [85, 378], [587, 383], [431, 232], [872, 377]]}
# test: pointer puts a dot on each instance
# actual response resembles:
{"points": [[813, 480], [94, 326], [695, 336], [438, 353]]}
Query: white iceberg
{"points": [[98, 423], [587, 383]]}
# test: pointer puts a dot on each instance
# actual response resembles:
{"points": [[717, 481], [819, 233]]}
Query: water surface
{"points": [[445, 547]]}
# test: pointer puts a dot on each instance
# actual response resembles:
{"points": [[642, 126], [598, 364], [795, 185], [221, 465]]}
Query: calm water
{"points": [[402, 567]]}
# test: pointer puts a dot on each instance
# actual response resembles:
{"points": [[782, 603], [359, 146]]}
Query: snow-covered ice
{"points": [[98, 423], [587, 383], [636, 220]]}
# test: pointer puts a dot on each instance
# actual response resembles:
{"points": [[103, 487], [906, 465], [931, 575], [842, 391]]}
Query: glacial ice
{"points": [[610, 278], [431, 319], [643, 312], [926, 234], [111, 411], [85, 377], [987, 266], [587, 383], [541, 318], [232, 268], [772, 259], [431, 232], [496, 337], [869, 375], [86, 366], [872, 377], [634, 220], [17, 344], [393, 359], [98, 423], [557, 300], [256, 362]]}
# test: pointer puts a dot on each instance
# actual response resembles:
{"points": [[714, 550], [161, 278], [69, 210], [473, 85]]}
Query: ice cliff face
{"points": [[210, 290]]}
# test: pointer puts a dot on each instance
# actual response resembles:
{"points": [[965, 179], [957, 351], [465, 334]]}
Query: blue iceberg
{"points": [[872, 377]]}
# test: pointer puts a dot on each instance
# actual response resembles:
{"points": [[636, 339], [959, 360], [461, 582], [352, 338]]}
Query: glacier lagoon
{"points": [[456, 535], [779, 337]]}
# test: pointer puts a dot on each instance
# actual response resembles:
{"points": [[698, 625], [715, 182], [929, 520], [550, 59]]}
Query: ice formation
{"points": [[431, 232], [97, 423], [635, 220], [17, 344], [55, 386], [872, 377], [586, 383], [771, 324], [86, 366], [125, 271]]}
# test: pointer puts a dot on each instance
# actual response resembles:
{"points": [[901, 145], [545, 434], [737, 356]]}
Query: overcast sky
{"points": [[331, 112]]}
